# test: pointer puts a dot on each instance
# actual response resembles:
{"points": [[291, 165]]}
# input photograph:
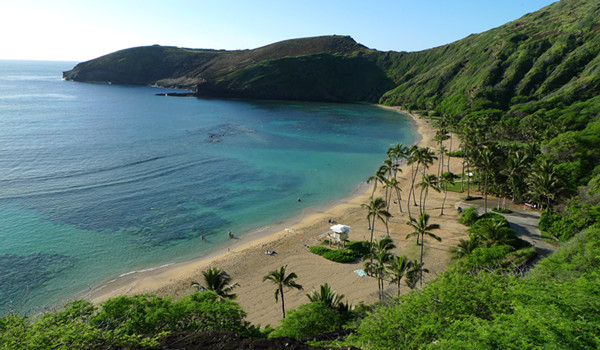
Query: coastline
{"points": [[245, 260]]}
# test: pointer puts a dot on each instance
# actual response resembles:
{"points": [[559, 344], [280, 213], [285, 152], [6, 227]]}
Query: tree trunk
{"points": [[421, 268], [399, 199], [449, 151], [282, 301], [444, 201], [485, 193]]}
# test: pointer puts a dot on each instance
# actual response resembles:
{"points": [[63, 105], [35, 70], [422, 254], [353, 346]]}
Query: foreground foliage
{"points": [[555, 305], [123, 321]]}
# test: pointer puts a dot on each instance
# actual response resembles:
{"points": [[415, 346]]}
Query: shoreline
{"points": [[126, 283], [245, 260], [266, 233]]}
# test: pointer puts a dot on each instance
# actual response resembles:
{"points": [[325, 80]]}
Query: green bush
{"points": [[459, 153], [341, 256], [469, 216], [309, 319], [358, 248], [484, 220], [484, 257], [319, 250]]}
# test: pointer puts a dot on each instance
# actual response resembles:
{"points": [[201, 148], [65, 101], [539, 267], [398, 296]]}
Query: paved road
{"points": [[524, 222]]}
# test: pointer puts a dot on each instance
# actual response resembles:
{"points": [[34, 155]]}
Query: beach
{"points": [[246, 262]]}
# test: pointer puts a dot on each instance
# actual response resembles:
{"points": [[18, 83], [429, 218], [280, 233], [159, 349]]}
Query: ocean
{"points": [[100, 180]]}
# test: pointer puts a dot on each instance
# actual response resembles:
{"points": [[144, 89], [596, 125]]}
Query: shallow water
{"points": [[100, 180]]}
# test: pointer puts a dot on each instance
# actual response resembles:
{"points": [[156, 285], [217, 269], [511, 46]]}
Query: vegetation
{"points": [[352, 251], [218, 281], [554, 305], [523, 101], [123, 321], [282, 280]]}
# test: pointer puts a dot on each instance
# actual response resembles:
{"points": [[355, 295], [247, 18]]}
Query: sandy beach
{"points": [[246, 262]]}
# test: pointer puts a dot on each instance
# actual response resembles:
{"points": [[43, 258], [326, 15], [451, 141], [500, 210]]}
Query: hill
{"points": [[327, 68], [543, 59]]}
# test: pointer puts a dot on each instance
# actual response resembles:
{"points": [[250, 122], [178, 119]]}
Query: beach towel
{"points": [[360, 272]]}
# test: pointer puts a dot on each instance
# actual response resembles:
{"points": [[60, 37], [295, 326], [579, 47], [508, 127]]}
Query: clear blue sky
{"points": [[79, 30]]}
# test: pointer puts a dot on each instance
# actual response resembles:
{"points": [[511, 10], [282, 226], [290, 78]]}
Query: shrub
{"points": [[469, 216], [459, 153], [341, 256], [358, 248], [476, 226], [319, 250], [309, 319]]}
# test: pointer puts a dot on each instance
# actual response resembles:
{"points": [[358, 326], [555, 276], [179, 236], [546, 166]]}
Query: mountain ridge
{"points": [[517, 68]]}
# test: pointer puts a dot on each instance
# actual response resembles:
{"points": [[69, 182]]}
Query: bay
{"points": [[99, 180]]}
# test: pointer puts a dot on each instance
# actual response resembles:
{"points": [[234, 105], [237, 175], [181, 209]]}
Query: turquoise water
{"points": [[100, 180]]}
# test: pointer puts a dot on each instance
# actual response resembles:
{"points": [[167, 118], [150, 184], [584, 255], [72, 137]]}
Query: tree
{"points": [[379, 177], [429, 181], [415, 274], [394, 184], [421, 228], [328, 296], [379, 256], [376, 210], [397, 268], [281, 280], [218, 281], [446, 181], [543, 183], [492, 232], [441, 135], [424, 157], [486, 161], [465, 247], [514, 166]]}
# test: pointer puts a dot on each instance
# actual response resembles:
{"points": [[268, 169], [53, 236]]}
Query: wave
{"points": [[38, 96], [22, 192]]}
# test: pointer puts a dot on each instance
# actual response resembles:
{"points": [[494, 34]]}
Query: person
{"points": [[230, 234], [203, 238], [299, 200]]}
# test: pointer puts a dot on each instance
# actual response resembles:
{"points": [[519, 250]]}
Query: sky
{"points": [[80, 30]]}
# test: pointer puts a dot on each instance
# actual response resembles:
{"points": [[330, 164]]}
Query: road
{"points": [[524, 222]]}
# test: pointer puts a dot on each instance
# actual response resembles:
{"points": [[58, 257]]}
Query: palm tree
{"points": [[495, 232], [328, 296], [398, 267], [429, 181], [218, 281], [394, 184], [446, 181], [543, 183], [376, 210], [379, 255], [465, 247], [514, 166], [281, 280], [424, 157], [441, 135], [379, 177], [486, 160], [415, 274], [421, 228]]}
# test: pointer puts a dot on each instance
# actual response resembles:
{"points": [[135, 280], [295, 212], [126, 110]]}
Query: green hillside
{"points": [[545, 60]]}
